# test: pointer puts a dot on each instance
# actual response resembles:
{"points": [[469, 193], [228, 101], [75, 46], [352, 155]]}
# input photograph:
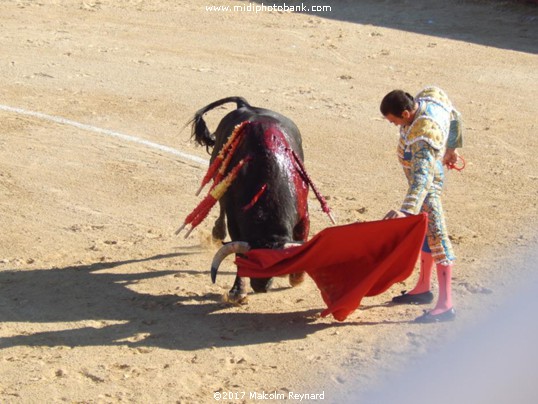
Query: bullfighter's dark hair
{"points": [[396, 102]]}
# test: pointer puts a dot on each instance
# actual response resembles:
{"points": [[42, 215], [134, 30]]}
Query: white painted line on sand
{"points": [[107, 132]]}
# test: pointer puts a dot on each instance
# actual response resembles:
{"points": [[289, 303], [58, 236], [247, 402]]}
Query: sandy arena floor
{"points": [[101, 303]]}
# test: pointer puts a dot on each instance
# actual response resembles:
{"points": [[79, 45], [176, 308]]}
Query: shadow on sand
{"points": [[502, 24], [122, 316]]}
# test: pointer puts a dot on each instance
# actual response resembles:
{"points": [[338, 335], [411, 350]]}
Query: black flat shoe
{"points": [[419, 298], [448, 315]]}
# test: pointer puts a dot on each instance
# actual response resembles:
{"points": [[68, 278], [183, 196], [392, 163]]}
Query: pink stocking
{"points": [[444, 276], [424, 280]]}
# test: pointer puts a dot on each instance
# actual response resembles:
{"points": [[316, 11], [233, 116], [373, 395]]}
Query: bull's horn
{"points": [[233, 247], [293, 244]]}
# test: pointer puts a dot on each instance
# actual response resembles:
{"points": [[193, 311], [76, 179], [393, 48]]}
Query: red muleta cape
{"points": [[346, 262]]}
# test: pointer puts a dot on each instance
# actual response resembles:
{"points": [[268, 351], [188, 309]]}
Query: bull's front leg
{"points": [[238, 293], [261, 285]]}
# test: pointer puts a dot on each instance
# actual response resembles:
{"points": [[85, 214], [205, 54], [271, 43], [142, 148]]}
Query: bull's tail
{"points": [[199, 130]]}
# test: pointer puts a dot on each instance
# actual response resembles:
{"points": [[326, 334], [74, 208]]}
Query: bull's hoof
{"points": [[296, 279], [235, 299], [261, 285], [218, 233], [237, 294]]}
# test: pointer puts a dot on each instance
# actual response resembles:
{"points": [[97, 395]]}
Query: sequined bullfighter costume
{"points": [[422, 144]]}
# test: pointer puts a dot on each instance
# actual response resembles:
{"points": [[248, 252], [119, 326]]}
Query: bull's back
{"points": [[254, 114], [268, 198]]}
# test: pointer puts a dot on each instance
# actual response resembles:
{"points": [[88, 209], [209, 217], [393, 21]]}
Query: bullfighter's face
{"points": [[404, 120]]}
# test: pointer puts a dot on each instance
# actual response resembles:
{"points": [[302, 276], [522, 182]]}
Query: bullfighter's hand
{"points": [[450, 157], [394, 214]]}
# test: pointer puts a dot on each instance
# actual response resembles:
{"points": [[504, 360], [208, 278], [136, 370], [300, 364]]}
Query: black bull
{"points": [[266, 204]]}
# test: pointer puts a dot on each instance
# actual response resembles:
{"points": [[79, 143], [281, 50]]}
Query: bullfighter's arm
{"points": [[420, 177], [455, 134]]}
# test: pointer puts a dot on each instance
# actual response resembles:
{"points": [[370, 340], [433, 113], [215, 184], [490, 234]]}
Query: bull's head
{"points": [[235, 247]]}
